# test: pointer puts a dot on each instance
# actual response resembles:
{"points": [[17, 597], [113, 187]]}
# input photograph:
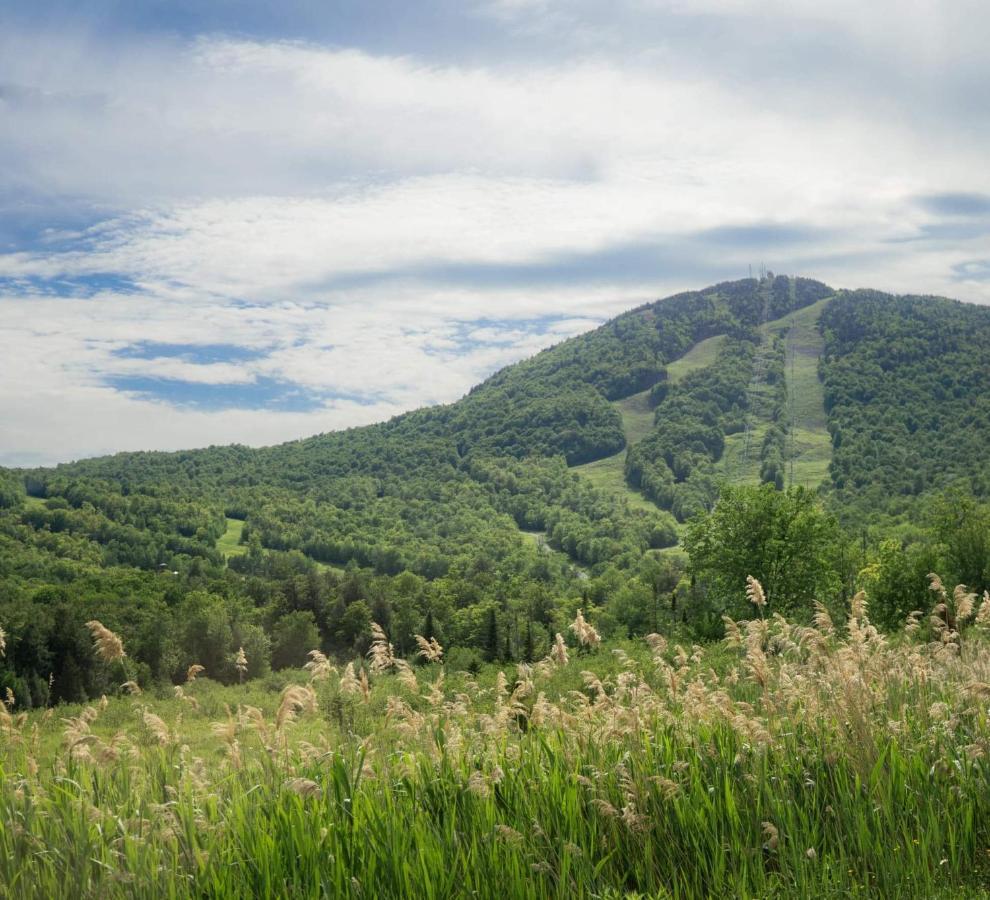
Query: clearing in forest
{"points": [[808, 448], [230, 543], [637, 422]]}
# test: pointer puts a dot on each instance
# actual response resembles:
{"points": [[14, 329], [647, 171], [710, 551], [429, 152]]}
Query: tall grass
{"points": [[794, 762]]}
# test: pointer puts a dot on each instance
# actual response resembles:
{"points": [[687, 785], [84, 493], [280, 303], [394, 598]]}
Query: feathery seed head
{"points": [[108, 646], [584, 631], [319, 667], [558, 652], [430, 649], [754, 592], [194, 671], [381, 654]]}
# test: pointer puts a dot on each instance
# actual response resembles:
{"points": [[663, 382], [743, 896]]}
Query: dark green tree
{"points": [[783, 538], [293, 636]]}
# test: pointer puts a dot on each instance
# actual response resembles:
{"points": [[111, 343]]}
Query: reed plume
{"points": [[381, 654], [430, 650], [241, 664], [319, 667], [108, 646], [558, 652], [585, 632], [755, 594], [194, 671], [349, 685]]}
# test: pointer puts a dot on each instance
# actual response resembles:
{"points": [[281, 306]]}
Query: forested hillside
{"points": [[559, 483]]}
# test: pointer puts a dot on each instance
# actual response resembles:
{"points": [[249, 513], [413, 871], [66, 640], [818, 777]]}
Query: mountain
{"points": [[554, 483]]}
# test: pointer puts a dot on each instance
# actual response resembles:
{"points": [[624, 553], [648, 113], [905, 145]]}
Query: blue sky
{"points": [[248, 221]]}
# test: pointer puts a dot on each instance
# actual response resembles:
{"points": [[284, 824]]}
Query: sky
{"points": [[254, 221]]}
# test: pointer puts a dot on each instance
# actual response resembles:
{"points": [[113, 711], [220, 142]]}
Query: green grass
{"points": [[833, 767], [536, 538], [810, 444], [737, 465], [34, 502], [637, 416], [230, 543], [609, 474], [700, 356]]}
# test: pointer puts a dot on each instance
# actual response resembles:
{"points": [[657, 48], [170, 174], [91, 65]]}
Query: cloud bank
{"points": [[218, 229]]}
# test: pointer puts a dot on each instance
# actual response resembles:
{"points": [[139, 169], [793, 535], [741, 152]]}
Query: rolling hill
{"points": [[600, 448]]}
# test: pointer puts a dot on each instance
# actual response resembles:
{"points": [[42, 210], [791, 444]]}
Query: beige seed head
{"points": [[304, 787], [194, 671], [584, 631], [558, 653], [108, 646], [381, 654], [319, 667], [754, 592], [430, 650], [772, 835]]}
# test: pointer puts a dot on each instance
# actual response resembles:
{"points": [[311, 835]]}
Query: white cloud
{"points": [[386, 229]]}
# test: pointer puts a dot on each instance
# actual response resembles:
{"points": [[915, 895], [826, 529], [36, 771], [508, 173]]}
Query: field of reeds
{"points": [[818, 760]]}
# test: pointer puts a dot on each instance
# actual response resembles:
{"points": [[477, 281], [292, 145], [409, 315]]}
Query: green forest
{"points": [[475, 524], [654, 613]]}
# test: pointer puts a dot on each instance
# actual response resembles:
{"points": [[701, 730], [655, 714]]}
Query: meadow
{"points": [[789, 761]]}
